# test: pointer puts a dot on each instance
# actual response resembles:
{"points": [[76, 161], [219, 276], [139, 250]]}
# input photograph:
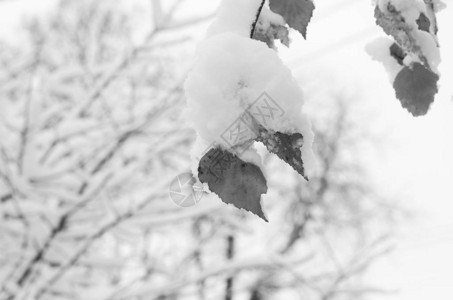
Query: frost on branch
{"points": [[413, 26], [240, 92]]}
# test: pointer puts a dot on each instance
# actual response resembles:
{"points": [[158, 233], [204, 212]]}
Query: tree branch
{"points": [[256, 18]]}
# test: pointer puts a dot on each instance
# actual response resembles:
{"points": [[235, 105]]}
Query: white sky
{"points": [[417, 170]]}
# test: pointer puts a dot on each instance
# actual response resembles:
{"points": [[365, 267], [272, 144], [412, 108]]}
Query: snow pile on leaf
{"points": [[234, 16], [239, 92], [231, 72], [270, 27], [412, 59]]}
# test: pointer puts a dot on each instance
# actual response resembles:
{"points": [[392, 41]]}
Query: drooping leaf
{"points": [[297, 13], [233, 180], [286, 146], [416, 87]]}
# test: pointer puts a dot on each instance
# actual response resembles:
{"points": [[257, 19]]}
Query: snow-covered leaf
{"points": [[270, 27], [413, 26], [297, 13], [416, 87], [286, 146], [273, 32], [393, 23], [233, 180]]}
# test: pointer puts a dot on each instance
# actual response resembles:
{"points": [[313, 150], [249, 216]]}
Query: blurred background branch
{"points": [[91, 136]]}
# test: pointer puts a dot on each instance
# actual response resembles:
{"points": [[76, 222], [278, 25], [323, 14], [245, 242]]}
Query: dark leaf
{"points": [[297, 13], [233, 180], [397, 53], [416, 87], [423, 22], [286, 146]]}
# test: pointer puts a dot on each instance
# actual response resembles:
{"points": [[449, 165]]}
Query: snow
{"points": [[231, 76], [429, 48], [379, 50], [234, 16], [268, 17]]}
